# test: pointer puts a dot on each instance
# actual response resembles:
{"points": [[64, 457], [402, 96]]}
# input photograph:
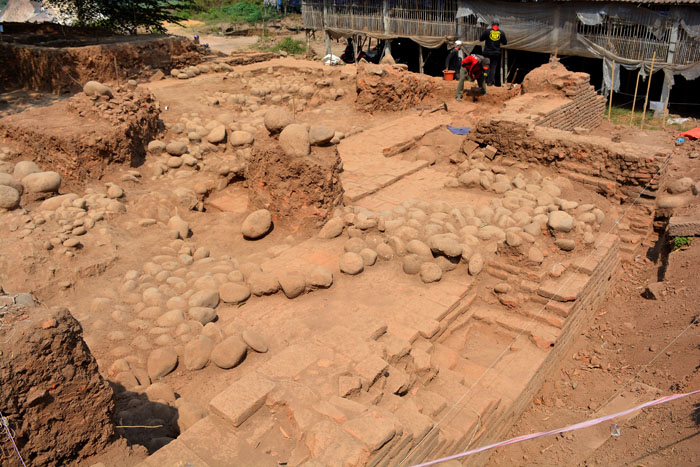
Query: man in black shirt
{"points": [[453, 62], [493, 39]]}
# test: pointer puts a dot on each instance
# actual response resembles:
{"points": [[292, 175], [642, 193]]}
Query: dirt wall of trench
{"points": [[58, 69]]}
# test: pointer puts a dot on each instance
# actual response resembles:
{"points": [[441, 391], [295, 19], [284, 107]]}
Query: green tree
{"points": [[125, 16]]}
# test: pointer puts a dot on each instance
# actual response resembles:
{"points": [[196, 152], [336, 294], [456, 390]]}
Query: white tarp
{"points": [[537, 28]]}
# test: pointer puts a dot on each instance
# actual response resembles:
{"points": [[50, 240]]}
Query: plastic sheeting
{"points": [[554, 28], [424, 41]]}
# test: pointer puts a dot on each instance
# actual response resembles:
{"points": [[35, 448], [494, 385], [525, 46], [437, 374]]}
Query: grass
{"points": [[680, 242], [289, 45], [622, 116], [251, 12]]}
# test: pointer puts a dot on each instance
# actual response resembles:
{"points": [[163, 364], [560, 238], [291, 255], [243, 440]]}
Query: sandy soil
{"points": [[613, 355]]}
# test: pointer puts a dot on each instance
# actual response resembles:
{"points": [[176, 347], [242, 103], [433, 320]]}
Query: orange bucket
{"points": [[449, 75]]}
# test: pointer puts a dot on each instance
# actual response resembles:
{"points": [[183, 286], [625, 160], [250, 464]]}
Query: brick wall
{"points": [[585, 110], [617, 170]]}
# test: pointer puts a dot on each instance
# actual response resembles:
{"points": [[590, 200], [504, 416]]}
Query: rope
{"points": [[5, 424], [530, 322], [577, 426]]}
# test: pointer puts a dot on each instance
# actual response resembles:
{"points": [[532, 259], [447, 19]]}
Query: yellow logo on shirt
{"points": [[495, 35]]}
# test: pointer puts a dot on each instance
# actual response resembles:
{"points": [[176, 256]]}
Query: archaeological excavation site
{"points": [[249, 259]]}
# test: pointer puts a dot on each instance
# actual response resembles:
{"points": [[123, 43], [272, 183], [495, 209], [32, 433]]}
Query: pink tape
{"points": [[577, 426]]}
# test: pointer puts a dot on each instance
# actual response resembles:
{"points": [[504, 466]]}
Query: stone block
{"points": [[370, 369], [565, 289], [242, 399], [217, 445], [289, 362], [684, 226], [175, 453], [371, 431]]}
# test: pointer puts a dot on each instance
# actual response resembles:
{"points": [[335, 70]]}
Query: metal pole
{"points": [[634, 102], [646, 99], [612, 87]]}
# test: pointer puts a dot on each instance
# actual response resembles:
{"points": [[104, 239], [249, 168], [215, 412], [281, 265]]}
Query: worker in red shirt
{"points": [[477, 68]]}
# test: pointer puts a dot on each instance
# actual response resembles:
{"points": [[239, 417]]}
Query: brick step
{"points": [[540, 334], [217, 445]]}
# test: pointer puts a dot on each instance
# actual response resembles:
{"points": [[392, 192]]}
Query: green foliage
{"points": [[234, 12], [289, 45], [125, 16], [2, 4], [679, 242]]}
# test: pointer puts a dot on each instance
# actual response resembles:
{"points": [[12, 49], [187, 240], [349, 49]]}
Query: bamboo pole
{"points": [[612, 87], [646, 99], [420, 58], [634, 102]]}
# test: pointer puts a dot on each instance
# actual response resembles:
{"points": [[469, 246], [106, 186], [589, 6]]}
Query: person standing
{"points": [[493, 39], [453, 62]]}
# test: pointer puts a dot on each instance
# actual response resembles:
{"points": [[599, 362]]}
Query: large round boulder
{"points": [[24, 168], [277, 119], [294, 140], [257, 224], [9, 197], [320, 135], [241, 138], [94, 88], [42, 182]]}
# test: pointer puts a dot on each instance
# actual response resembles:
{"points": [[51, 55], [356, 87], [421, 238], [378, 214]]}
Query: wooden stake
{"points": [[634, 102], [116, 70], [646, 99], [612, 86], [420, 59]]}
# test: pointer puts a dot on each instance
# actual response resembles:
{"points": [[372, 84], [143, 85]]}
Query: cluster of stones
{"points": [[432, 238], [296, 139], [679, 192], [202, 68], [171, 304], [64, 219], [25, 177], [298, 88], [193, 138]]}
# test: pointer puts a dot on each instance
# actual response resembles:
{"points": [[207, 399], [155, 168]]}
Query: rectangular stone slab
{"points": [[242, 399]]}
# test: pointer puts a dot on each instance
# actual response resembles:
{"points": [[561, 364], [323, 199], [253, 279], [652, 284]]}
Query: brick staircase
{"points": [[403, 382]]}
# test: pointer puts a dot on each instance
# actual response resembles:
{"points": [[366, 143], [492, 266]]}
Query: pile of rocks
{"points": [[169, 310], [202, 68], [528, 217], [678, 193], [25, 177], [277, 86]]}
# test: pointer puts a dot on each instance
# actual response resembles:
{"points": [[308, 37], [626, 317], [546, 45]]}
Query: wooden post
{"points": [[503, 68], [504, 81], [634, 102], [612, 87], [646, 99], [420, 59], [354, 48]]}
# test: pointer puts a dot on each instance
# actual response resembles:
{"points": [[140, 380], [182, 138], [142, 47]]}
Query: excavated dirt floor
{"points": [[441, 300]]}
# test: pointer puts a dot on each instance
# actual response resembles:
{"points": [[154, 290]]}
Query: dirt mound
{"points": [[56, 61], [81, 136], [554, 76], [390, 88], [57, 404], [299, 191]]}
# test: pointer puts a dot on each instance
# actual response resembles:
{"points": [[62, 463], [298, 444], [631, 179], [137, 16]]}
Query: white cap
{"points": [[458, 43]]}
